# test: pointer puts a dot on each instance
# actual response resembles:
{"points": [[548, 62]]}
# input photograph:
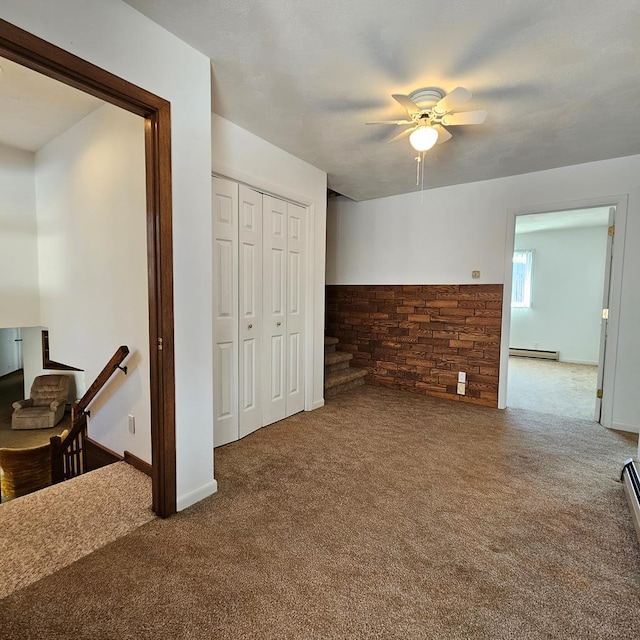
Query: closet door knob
{"points": [[250, 326], [278, 323]]}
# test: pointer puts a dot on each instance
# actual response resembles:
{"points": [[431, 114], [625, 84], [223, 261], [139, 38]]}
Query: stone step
{"points": [[343, 376]]}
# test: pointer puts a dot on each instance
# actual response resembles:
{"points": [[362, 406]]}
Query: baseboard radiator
{"points": [[535, 353], [631, 482]]}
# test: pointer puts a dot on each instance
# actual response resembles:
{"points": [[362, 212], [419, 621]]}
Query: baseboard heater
{"points": [[631, 482], [535, 353]]}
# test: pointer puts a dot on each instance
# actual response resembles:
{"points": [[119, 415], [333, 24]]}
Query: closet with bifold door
{"points": [[258, 309]]}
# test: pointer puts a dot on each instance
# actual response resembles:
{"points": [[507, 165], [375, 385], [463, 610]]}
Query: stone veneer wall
{"points": [[418, 337]]}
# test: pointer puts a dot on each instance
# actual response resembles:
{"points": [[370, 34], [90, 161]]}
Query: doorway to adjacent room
{"points": [[559, 311]]}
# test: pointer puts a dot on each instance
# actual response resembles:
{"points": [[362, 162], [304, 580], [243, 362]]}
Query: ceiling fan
{"points": [[430, 110]]}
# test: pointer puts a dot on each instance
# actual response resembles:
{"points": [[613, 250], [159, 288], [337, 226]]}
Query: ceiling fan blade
{"points": [[402, 134], [458, 96], [398, 122], [443, 134], [406, 102], [466, 117]]}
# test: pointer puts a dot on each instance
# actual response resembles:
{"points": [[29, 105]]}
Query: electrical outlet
{"points": [[461, 388], [132, 424], [475, 274]]}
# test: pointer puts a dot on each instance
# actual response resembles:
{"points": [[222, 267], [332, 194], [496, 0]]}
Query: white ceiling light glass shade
{"points": [[423, 138]]}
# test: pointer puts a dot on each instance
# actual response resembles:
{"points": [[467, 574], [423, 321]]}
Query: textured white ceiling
{"points": [[34, 109], [554, 220], [559, 79]]}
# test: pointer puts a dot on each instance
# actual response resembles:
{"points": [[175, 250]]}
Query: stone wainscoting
{"points": [[418, 337]]}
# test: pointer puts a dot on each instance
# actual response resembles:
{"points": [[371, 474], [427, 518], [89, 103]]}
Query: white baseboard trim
{"points": [[317, 404], [182, 502], [621, 426]]}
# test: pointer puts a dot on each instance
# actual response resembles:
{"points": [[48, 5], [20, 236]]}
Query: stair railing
{"points": [[68, 456]]}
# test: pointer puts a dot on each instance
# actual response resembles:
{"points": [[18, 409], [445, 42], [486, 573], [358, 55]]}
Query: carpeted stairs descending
{"points": [[339, 375]]}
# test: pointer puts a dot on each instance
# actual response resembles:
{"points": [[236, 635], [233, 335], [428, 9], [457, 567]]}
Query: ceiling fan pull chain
{"points": [[422, 187], [418, 170]]}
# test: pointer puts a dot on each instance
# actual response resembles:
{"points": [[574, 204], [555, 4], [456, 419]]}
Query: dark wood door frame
{"points": [[39, 55]]}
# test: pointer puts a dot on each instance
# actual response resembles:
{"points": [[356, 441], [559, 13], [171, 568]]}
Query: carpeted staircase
{"points": [[339, 375]]}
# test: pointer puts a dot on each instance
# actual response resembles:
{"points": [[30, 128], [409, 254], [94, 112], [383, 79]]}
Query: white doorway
{"points": [[560, 285], [10, 350]]}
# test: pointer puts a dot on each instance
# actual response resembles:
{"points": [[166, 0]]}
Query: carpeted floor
{"points": [[560, 388], [381, 515], [52, 528]]}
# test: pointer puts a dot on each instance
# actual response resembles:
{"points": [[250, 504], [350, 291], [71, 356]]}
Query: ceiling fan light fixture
{"points": [[423, 138]]}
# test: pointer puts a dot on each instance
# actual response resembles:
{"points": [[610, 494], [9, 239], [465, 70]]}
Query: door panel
{"points": [[223, 380], [248, 400], [293, 374], [224, 269], [294, 283], [295, 308], [278, 283], [225, 311], [277, 369], [247, 280], [274, 289], [250, 276]]}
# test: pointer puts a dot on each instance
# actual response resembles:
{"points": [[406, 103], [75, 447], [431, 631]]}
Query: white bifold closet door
{"points": [[283, 305], [237, 306], [295, 308], [258, 310], [250, 302], [225, 311]]}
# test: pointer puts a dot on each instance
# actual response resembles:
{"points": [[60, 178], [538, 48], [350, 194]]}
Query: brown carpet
{"points": [[47, 530], [561, 388], [382, 515]]}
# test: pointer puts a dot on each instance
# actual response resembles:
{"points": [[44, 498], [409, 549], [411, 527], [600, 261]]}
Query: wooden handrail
{"points": [[68, 453], [81, 406]]}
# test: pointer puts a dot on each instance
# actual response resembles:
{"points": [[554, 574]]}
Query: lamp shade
{"points": [[423, 138]]}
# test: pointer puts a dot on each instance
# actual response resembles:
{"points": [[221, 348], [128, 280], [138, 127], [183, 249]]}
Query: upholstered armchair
{"points": [[24, 471], [45, 406]]}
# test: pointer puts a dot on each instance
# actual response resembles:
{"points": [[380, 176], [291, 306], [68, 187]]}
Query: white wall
{"points": [[567, 293], [398, 240], [461, 228], [112, 35], [19, 299], [91, 204], [243, 156]]}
